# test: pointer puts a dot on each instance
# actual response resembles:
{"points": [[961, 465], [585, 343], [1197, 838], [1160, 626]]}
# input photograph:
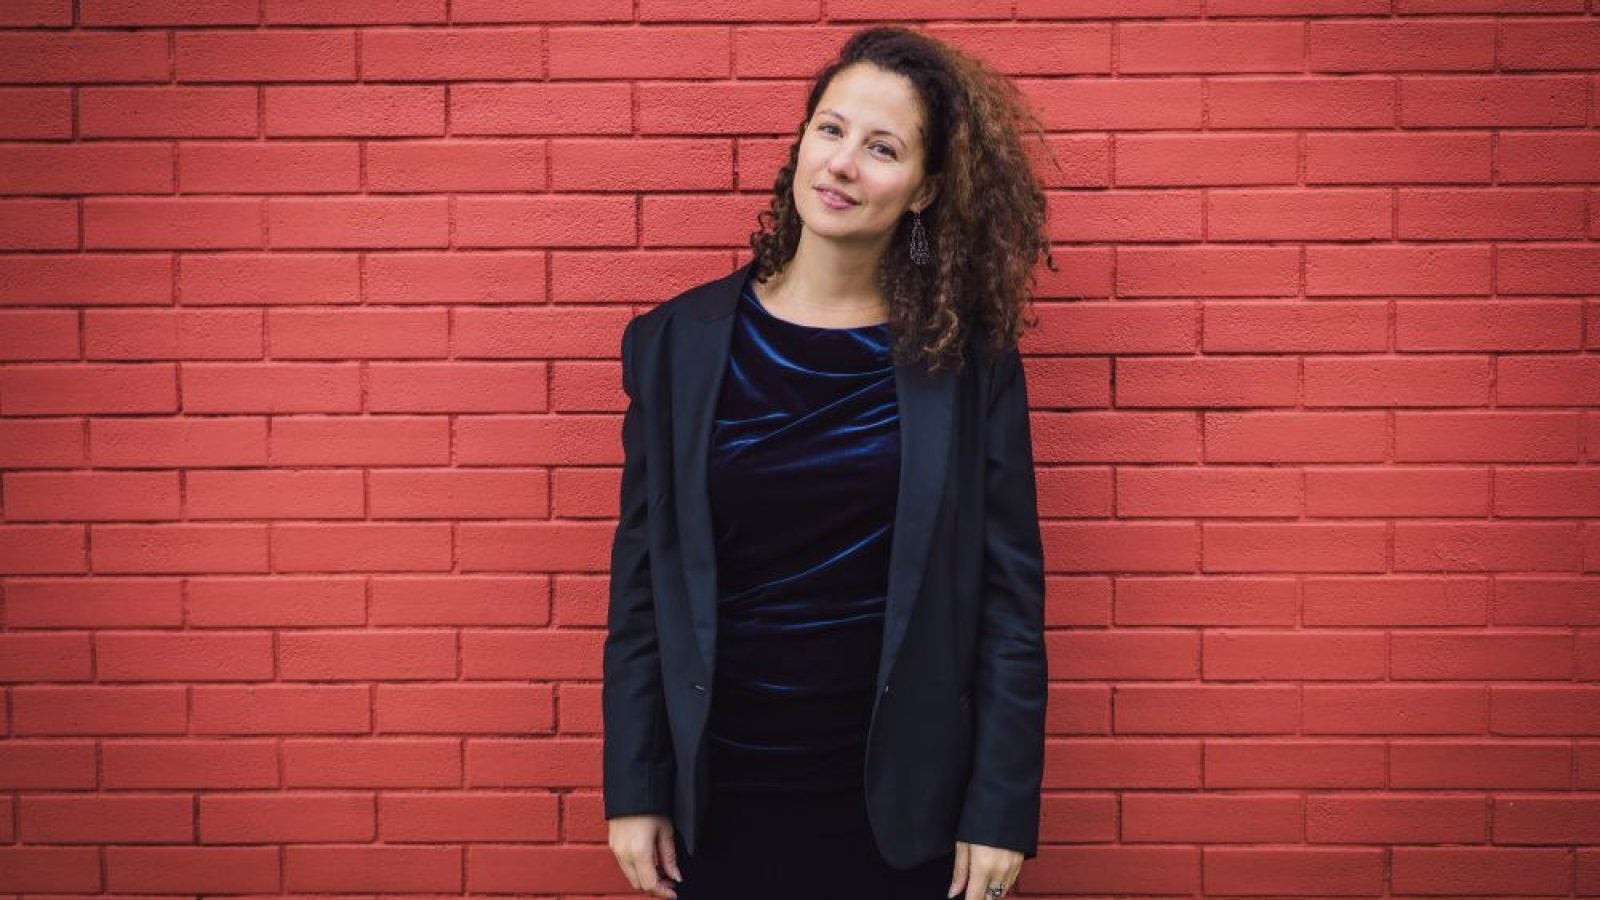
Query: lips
{"points": [[843, 198]]}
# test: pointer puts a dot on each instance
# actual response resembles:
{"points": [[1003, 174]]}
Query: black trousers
{"points": [[799, 847]]}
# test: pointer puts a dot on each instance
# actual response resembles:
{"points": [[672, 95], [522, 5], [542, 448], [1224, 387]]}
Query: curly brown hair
{"points": [[985, 224]]}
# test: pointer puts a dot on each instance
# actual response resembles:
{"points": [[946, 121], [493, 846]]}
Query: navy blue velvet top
{"points": [[803, 471]]}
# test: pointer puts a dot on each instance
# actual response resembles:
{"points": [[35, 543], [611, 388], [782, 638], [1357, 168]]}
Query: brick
{"points": [[153, 224], [484, 494], [125, 13], [44, 57], [178, 441], [719, 108], [98, 168], [544, 221], [1486, 436], [1294, 870], [489, 387], [140, 334], [1532, 269], [354, 12], [1415, 492], [482, 54], [1013, 49], [1211, 709], [1101, 104], [1395, 46], [732, 11], [1548, 381], [1502, 101], [538, 109], [1491, 214], [268, 278], [456, 277], [456, 165], [362, 440], [1157, 382], [1369, 270], [1485, 547], [271, 387], [1547, 157], [1295, 437], [1293, 547], [664, 51], [35, 113], [1305, 102], [370, 110], [915, 9], [641, 165], [1480, 870], [151, 112], [1212, 159], [1478, 765], [1397, 381], [266, 55], [180, 548], [1208, 271], [257, 167], [274, 494], [1556, 711], [95, 278], [1127, 215], [369, 548], [317, 222], [38, 225], [42, 334], [358, 334], [539, 12], [1275, 215], [1259, 326], [1185, 47], [1488, 326], [40, 13], [1356, 158], [1532, 44], [1487, 656], [700, 220], [1382, 601], [1394, 709]]}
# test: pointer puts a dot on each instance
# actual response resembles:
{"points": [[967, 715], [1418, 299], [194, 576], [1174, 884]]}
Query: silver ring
{"points": [[995, 890]]}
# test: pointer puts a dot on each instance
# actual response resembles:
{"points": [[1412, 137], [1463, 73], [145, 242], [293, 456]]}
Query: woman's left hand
{"points": [[986, 866]]}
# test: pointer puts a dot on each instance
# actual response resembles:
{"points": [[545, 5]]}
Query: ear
{"points": [[925, 195]]}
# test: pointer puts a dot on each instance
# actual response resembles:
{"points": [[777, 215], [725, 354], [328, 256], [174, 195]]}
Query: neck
{"points": [[827, 282]]}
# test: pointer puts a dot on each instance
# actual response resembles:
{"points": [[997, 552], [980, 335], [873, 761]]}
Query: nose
{"points": [[842, 162]]}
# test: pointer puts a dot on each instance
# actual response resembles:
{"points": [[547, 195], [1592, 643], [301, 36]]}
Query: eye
{"points": [[887, 149]]}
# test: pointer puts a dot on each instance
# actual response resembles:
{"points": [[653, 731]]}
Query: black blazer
{"points": [[955, 750]]}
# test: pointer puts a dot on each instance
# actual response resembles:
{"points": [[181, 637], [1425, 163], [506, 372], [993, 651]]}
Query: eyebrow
{"points": [[835, 113]]}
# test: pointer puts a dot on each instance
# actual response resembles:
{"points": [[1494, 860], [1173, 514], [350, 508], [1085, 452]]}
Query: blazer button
{"points": [[886, 688], [701, 688]]}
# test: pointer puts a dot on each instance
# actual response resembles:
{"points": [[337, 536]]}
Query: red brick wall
{"points": [[309, 425]]}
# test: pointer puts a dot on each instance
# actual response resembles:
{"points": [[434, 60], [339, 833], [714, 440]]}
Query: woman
{"points": [[824, 666]]}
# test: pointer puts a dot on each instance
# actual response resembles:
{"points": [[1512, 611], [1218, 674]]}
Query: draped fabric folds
{"points": [[802, 476]]}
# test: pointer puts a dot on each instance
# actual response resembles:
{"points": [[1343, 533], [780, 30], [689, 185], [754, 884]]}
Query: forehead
{"points": [[873, 98]]}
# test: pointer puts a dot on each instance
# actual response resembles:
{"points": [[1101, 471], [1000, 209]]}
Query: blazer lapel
{"points": [[699, 356]]}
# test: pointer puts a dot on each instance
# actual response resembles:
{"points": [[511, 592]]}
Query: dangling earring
{"points": [[920, 253]]}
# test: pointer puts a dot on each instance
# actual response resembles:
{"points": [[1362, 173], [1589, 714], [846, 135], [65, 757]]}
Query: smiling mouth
{"points": [[835, 195]]}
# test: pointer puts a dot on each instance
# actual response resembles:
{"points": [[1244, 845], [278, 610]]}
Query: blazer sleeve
{"points": [[1001, 806], [638, 762]]}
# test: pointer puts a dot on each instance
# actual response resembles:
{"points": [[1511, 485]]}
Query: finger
{"points": [[644, 863], [667, 849], [626, 862], [979, 880], [958, 878]]}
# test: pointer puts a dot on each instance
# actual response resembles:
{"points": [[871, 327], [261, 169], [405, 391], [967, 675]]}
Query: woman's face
{"points": [[864, 141]]}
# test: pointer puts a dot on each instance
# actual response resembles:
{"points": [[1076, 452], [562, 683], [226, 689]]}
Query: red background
{"points": [[310, 406]]}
